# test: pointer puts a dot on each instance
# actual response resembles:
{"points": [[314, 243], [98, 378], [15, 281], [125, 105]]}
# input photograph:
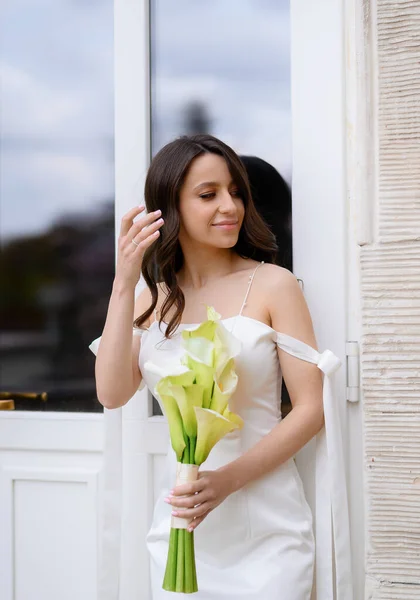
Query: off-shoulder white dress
{"points": [[261, 542]]}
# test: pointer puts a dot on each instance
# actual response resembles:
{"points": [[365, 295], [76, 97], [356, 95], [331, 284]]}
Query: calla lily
{"points": [[165, 385], [204, 330], [177, 370], [224, 387], [176, 430], [226, 346], [200, 349], [179, 376], [211, 427], [195, 394], [233, 417], [186, 399], [204, 378], [209, 347], [212, 314]]}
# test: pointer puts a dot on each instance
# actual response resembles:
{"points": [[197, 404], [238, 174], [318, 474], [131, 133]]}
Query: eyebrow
{"points": [[210, 183], [205, 184]]}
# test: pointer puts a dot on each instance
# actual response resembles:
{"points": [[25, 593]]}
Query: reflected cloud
{"points": [[233, 58], [56, 110]]}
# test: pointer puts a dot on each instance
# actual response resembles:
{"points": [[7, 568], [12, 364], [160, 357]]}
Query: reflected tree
{"points": [[56, 288]]}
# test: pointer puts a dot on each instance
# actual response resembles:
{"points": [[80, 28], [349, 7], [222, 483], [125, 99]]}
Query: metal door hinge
{"points": [[353, 371]]}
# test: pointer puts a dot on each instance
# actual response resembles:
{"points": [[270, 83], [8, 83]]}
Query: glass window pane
{"points": [[56, 198], [223, 68]]}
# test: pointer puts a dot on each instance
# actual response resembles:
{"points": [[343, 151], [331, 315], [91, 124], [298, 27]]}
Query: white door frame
{"points": [[132, 157], [329, 223], [325, 255]]}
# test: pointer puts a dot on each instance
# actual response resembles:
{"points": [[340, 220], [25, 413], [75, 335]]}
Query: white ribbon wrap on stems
{"points": [[332, 528], [184, 474]]}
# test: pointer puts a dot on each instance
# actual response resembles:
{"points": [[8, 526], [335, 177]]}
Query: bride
{"points": [[202, 243]]}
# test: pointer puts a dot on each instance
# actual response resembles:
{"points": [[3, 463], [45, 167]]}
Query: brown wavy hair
{"points": [[163, 260]]}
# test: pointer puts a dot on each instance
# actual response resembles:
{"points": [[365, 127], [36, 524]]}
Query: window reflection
{"points": [[223, 68], [56, 198]]}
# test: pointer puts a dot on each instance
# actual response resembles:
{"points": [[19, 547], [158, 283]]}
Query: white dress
{"points": [[259, 544]]}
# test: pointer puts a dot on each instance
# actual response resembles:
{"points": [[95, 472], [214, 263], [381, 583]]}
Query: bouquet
{"points": [[195, 394]]}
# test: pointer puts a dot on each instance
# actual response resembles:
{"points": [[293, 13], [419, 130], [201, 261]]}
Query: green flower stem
{"points": [[181, 574], [169, 580], [190, 570], [193, 443], [189, 567], [195, 584], [180, 562]]}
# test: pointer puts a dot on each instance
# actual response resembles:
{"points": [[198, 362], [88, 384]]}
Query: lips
{"points": [[223, 223]]}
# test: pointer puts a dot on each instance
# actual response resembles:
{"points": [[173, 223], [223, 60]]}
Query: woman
{"points": [[203, 243]]}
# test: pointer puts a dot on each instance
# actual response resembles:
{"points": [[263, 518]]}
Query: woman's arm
{"points": [[290, 315], [117, 371]]}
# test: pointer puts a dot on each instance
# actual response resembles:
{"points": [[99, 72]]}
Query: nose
{"points": [[226, 202]]}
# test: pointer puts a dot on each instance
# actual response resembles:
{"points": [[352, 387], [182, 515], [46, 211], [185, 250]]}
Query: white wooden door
{"points": [[56, 171], [49, 481], [325, 250], [326, 218]]}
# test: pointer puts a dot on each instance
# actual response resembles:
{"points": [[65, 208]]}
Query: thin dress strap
{"points": [[251, 279]]}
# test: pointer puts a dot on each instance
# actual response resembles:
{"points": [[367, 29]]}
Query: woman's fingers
{"points": [[188, 501], [192, 487], [127, 220], [146, 242], [145, 234], [196, 522], [130, 228], [192, 513]]}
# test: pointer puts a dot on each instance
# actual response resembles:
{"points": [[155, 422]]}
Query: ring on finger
{"points": [[135, 243]]}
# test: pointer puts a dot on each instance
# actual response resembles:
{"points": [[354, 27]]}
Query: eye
{"points": [[236, 192], [208, 195]]}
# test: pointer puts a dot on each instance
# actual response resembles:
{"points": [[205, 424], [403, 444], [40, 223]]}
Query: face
{"points": [[211, 208]]}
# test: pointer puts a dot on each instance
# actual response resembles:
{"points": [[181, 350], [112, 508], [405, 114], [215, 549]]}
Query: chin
{"points": [[228, 243]]}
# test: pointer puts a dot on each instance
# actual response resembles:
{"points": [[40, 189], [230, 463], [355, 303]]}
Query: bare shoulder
{"points": [[289, 312], [277, 279]]}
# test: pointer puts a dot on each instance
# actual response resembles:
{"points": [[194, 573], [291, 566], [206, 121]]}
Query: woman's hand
{"points": [[135, 238], [202, 496]]}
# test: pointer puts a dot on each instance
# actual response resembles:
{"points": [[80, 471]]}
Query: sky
{"points": [[56, 75]]}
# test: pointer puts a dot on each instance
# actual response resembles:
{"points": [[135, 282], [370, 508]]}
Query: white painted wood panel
{"points": [[49, 487]]}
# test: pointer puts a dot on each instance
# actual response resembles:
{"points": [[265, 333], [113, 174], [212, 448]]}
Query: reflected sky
{"points": [[56, 156], [56, 68], [56, 118], [233, 57]]}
